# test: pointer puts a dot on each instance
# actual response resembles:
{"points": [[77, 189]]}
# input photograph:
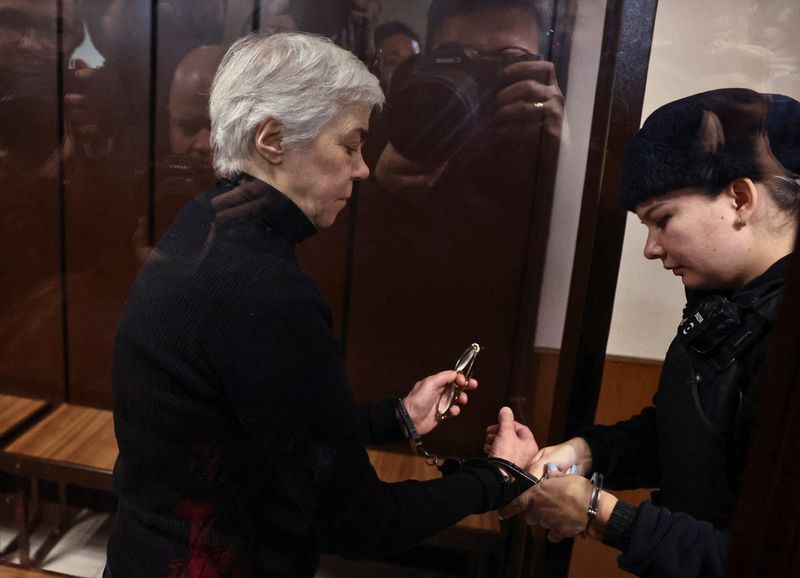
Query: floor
{"points": [[81, 551]]}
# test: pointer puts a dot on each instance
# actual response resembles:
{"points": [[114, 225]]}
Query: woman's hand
{"points": [[423, 398], [510, 440], [572, 452], [559, 504], [575, 452]]}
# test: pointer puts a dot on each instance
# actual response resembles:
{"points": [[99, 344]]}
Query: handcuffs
{"points": [[515, 479]]}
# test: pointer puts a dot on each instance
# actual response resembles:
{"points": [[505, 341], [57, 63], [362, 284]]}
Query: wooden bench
{"points": [[72, 445], [17, 412]]}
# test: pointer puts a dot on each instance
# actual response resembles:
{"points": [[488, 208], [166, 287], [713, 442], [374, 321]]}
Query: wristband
{"points": [[594, 501]]}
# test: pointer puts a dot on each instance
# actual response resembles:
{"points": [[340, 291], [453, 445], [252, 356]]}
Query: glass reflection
{"points": [[444, 237], [97, 159], [394, 42], [30, 311], [186, 169]]}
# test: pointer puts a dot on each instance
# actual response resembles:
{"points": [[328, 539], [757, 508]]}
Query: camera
{"points": [[441, 101], [710, 325]]}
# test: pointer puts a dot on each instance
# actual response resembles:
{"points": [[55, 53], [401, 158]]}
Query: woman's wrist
{"points": [[599, 523], [583, 454]]}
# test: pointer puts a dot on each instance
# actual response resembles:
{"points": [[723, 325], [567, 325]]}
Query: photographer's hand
{"points": [[423, 397], [530, 101], [397, 174]]}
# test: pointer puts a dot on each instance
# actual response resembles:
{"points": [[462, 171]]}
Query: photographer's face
{"points": [[492, 31], [528, 102]]}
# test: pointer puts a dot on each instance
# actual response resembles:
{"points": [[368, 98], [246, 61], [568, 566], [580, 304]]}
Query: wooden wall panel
{"points": [[106, 178], [31, 328], [628, 385]]}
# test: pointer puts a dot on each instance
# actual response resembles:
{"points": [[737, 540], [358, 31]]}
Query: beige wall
{"points": [[698, 46], [584, 64]]}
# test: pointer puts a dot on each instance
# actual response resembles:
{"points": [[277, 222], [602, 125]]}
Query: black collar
{"points": [[266, 203], [750, 293]]}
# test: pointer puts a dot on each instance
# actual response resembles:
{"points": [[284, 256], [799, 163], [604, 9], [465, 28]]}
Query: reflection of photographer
{"points": [[450, 239], [442, 101], [483, 67], [349, 23]]}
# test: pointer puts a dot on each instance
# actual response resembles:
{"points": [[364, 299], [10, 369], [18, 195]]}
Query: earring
{"points": [[740, 224]]}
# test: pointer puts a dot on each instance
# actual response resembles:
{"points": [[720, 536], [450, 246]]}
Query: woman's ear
{"points": [[269, 141], [745, 197]]}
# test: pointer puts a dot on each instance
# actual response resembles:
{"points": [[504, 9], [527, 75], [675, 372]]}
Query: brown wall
{"points": [[628, 386]]}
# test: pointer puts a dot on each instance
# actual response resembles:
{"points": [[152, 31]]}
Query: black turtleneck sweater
{"points": [[691, 444], [241, 451]]}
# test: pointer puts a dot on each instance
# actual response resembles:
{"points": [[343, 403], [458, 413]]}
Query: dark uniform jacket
{"points": [[692, 442]]}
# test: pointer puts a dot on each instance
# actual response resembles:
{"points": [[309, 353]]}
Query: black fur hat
{"points": [[709, 139]]}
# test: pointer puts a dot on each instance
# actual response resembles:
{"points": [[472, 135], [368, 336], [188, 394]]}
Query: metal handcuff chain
{"points": [[414, 439], [519, 481]]}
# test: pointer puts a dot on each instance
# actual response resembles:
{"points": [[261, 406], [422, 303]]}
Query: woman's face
{"points": [[320, 175], [696, 238]]}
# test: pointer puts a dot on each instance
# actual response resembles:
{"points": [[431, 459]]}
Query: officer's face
{"points": [[695, 236]]}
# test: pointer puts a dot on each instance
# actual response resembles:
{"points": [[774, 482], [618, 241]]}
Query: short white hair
{"points": [[301, 80]]}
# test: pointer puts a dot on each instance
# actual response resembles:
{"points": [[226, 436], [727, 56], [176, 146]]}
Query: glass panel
{"points": [[105, 103], [30, 195], [443, 234]]}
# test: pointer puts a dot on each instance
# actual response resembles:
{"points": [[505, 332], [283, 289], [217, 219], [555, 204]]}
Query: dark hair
{"points": [[783, 128], [387, 29], [785, 191], [708, 140], [440, 11]]}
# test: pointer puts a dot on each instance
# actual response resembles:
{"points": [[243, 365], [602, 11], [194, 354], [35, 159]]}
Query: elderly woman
{"points": [[241, 451]]}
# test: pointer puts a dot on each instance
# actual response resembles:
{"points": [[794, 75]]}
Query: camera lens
{"points": [[434, 102], [429, 120]]}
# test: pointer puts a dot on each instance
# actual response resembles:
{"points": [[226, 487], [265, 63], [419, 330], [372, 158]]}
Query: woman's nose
{"points": [[361, 170], [652, 248]]}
